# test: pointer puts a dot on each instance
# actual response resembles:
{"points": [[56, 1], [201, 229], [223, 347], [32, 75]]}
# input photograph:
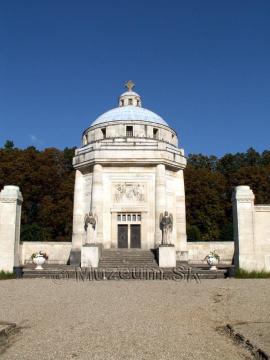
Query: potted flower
{"points": [[39, 259], [212, 259]]}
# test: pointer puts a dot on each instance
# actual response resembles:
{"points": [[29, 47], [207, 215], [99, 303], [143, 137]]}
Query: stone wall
{"points": [[262, 228], [140, 130], [58, 252], [251, 231], [197, 251]]}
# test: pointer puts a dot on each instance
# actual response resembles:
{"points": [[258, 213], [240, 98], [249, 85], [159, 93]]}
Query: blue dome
{"points": [[129, 113]]}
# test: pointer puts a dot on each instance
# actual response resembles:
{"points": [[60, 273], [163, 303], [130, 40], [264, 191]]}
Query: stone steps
{"points": [[128, 253], [123, 274], [128, 264], [127, 258]]}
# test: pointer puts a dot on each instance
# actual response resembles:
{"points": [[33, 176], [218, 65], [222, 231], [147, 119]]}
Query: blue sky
{"points": [[204, 66]]}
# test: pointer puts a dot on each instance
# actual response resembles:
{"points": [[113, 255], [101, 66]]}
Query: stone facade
{"points": [[128, 172], [251, 231]]}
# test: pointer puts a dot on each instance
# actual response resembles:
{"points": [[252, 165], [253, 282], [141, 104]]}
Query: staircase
{"points": [[116, 264], [127, 258]]}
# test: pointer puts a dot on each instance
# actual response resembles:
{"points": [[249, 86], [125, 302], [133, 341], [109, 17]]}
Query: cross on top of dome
{"points": [[130, 97], [129, 85]]}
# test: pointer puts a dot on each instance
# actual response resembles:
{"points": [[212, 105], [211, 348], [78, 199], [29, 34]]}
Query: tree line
{"points": [[46, 179]]}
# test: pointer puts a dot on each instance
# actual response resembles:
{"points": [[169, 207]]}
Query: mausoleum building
{"points": [[129, 199], [129, 171]]}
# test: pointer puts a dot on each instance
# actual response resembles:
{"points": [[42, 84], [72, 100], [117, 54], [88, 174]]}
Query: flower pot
{"points": [[212, 261], [39, 260]]}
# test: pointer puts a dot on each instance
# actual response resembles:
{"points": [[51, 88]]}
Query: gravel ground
{"points": [[130, 319], [258, 332]]}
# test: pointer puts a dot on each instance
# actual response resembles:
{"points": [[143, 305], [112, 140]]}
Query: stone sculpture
{"points": [[166, 226], [90, 219]]}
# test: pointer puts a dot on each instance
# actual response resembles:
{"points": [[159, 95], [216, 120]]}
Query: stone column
{"points": [[97, 200], [10, 222], [78, 232], [243, 223], [180, 221], [160, 197]]}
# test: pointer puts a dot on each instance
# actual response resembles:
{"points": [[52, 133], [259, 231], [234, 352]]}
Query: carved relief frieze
{"points": [[128, 192]]}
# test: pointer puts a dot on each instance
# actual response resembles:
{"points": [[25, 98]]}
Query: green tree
{"points": [[193, 233], [9, 145], [205, 198], [46, 179], [202, 161]]}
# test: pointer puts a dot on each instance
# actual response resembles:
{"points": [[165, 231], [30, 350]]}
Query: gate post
{"points": [[10, 221]]}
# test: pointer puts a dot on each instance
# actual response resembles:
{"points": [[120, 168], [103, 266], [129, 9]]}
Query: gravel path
{"points": [[130, 319]]}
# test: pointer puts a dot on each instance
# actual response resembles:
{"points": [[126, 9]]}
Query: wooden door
{"points": [[135, 236], [123, 236]]}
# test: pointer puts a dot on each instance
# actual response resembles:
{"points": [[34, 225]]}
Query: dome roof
{"points": [[129, 113], [130, 108], [129, 93]]}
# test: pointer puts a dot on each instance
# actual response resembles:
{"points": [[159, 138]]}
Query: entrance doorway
{"points": [[122, 236], [129, 230]]}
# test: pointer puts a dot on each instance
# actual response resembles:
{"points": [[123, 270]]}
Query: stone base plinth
{"points": [[166, 256], [75, 258], [90, 256]]}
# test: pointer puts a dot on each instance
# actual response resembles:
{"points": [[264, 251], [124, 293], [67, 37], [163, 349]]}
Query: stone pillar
{"points": [[97, 200], [180, 221], [10, 222], [160, 196], [78, 232], [243, 223]]}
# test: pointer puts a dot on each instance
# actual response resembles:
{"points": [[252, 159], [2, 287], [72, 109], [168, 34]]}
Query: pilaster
{"points": [[78, 233], [97, 200], [160, 198], [180, 221]]}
